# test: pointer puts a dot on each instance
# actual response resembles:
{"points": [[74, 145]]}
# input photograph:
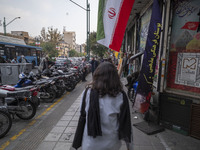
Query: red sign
{"points": [[191, 25]]}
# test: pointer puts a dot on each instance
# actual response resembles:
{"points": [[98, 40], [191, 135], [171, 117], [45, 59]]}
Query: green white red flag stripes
{"points": [[113, 16]]}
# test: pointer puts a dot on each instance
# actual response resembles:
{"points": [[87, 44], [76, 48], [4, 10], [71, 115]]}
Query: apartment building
{"points": [[70, 38]]}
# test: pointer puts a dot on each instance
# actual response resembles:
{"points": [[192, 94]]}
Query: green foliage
{"points": [[49, 49], [49, 40], [95, 48], [73, 53]]}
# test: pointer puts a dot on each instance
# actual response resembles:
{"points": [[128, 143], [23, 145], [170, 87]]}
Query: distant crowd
{"points": [[22, 59]]}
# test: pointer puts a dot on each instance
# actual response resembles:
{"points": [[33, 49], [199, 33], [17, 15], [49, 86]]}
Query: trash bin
{"points": [[10, 72]]}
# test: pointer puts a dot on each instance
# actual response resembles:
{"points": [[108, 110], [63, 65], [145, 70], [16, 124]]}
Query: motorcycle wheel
{"points": [[52, 96], [70, 87], [60, 92], [29, 108], [5, 123]]}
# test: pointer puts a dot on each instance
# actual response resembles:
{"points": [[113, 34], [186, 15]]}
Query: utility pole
{"points": [[87, 24], [5, 25]]}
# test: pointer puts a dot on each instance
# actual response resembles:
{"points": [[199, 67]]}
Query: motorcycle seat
{"points": [[21, 93], [39, 82], [3, 93], [24, 88]]}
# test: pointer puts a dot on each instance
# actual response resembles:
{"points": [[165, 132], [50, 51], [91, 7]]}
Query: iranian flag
{"points": [[113, 16]]}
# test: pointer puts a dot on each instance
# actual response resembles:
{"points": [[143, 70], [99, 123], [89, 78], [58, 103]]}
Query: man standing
{"points": [[14, 60], [94, 64], [23, 65], [84, 70]]}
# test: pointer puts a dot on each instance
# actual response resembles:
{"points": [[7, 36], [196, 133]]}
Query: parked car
{"points": [[62, 62]]}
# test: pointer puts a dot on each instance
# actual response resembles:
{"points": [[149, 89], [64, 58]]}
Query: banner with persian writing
{"points": [[144, 88]]}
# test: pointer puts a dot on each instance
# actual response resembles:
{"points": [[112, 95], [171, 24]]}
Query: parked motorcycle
{"points": [[34, 92], [5, 122], [5, 119], [18, 103], [69, 79], [47, 90]]}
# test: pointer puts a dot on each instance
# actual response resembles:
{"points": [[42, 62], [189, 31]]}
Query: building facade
{"points": [[177, 72], [70, 38], [21, 34], [63, 48]]}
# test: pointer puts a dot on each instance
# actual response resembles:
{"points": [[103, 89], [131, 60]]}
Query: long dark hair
{"points": [[106, 80]]}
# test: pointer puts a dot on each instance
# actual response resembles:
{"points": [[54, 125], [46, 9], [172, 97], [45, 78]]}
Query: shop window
{"points": [[33, 52]]}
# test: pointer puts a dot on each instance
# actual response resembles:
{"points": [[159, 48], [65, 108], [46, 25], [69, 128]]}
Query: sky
{"points": [[36, 14]]}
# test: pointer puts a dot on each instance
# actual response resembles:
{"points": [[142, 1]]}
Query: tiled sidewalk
{"points": [[61, 136]]}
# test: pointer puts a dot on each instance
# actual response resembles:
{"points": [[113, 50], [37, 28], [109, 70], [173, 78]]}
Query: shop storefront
{"points": [[182, 83], [177, 75]]}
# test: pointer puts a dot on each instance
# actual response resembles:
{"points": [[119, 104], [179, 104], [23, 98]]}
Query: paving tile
{"points": [[70, 113], [77, 113], [63, 123], [159, 147], [46, 146], [62, 146], [66, 117], [73, 109], [57, 129], [67, 137], [73, 123], [53, 137], [75, 118], [70, 130], [146, 148]]}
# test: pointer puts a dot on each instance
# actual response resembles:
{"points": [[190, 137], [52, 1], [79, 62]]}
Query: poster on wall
{"points": [[185, 34], [188, 69], [183, 65], [145, 21]]}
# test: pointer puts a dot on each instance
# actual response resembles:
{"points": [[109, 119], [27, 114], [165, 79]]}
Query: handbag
{"points": [[77, 142]]}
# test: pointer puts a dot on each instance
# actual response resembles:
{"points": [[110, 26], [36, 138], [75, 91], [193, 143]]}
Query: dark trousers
{"points": [[83, 76]]}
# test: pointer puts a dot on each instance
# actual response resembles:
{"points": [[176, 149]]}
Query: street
{"points": [[28, 134]]}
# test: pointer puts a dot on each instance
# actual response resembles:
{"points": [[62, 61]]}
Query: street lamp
{"points": [[5, 25], [88, 25]]}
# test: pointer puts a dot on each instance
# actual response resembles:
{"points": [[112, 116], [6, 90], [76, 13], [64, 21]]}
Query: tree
{"points": [[49, 49], [49, 40], [73, 53], [96, 49], [52, 35]]}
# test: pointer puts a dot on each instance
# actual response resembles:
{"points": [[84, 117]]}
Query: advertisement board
{"points": [[184, 56]]}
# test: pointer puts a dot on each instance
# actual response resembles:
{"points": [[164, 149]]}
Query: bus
{"points": [[10, 49]]}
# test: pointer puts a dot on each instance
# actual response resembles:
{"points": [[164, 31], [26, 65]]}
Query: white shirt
{"points": [[109, 110]]}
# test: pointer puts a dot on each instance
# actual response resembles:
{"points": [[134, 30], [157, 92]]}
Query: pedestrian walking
{"points": [[125, 65], [107, 112], [22, 60], [84, 70], [45, 65], [94, 64]]}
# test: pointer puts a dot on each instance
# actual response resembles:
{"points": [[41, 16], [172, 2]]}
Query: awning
{"points": [[137, 55]]}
